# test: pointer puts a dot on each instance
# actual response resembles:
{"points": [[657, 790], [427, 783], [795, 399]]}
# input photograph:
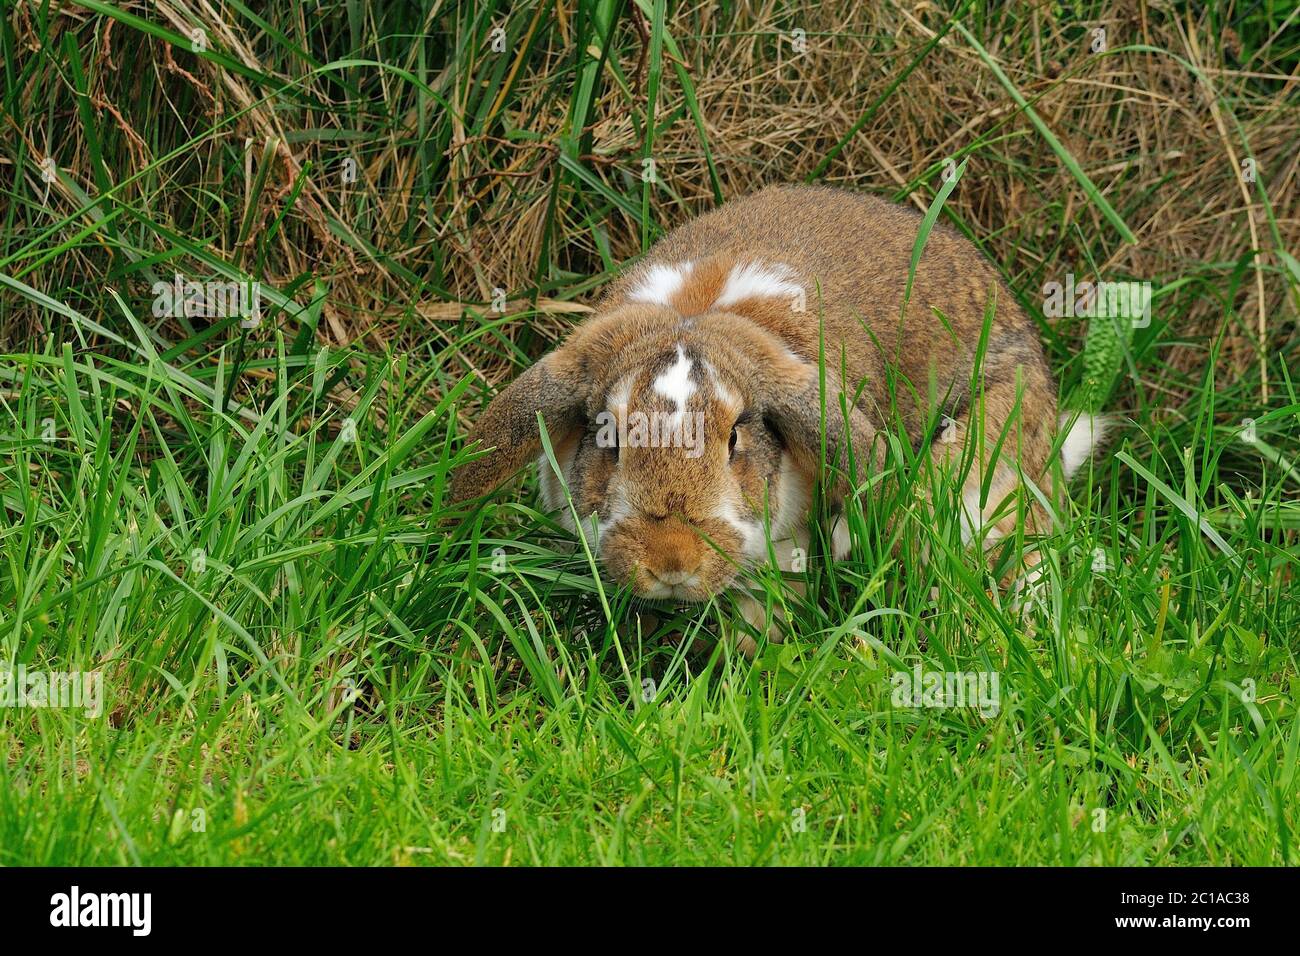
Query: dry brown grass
{"points": [[403, 254], [1164, 148]]}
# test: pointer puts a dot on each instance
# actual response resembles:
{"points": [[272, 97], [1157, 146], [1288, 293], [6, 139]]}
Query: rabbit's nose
{"points": [[675, 577], [679, 563], [674, 555]]}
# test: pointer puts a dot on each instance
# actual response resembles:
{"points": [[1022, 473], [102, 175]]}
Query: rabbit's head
{"points": [[688, 442]]}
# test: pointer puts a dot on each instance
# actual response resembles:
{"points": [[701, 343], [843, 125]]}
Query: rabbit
{"points": [[687, 412]]}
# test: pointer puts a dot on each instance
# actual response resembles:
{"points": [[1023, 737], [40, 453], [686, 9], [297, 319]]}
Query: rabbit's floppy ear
{"points": [[508, 426], [793, 402]]}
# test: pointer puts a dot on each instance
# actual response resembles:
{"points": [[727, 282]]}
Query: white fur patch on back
{"points": [[1085, 435], [676, 382], [754, 280], [660, 283]]}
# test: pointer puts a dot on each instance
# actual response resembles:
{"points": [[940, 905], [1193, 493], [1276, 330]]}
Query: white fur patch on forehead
{"points": [[754, 280], [675, 383], [660, 283]]}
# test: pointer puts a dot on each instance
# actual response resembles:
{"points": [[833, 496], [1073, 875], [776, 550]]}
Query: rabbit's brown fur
{"points": [[853, 252], [721, 321]]}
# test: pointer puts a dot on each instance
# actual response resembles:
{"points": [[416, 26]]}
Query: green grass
{"points": [[327, 566], [310, 657]]}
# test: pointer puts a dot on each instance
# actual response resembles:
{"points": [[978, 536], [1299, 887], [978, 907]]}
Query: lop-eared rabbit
{"points": [[691, 416]]}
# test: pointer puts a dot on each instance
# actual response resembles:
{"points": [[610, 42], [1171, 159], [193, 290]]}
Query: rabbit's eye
{"points": [[731, 444], [605, 437]]}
